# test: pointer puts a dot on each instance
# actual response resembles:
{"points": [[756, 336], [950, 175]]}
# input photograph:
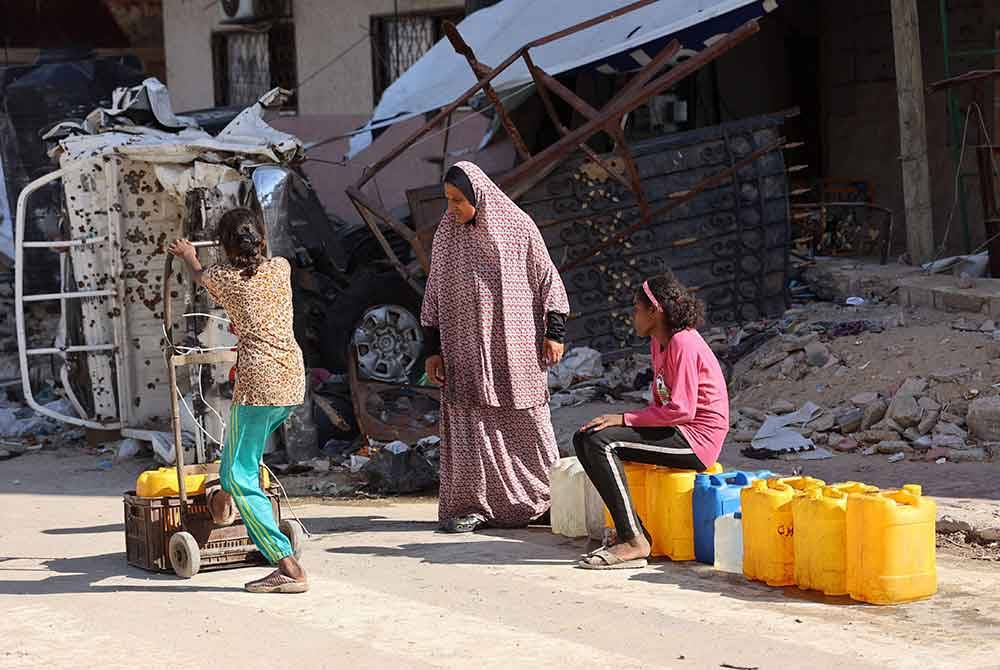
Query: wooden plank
{"points": [[919, 219]]}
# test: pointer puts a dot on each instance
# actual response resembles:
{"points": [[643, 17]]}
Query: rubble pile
{"points": [[908, 422]]}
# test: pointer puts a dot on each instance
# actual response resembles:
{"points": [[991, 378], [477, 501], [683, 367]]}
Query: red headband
{"points": [[649, 294]]}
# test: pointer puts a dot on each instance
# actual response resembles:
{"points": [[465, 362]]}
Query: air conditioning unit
{"points": [[253, 11]]}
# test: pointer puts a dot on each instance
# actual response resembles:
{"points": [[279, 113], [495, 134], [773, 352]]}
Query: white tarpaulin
{"points": [[619, 45]]}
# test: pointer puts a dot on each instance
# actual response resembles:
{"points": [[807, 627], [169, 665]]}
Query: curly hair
{"points": [[242, 234], [680, 308]]}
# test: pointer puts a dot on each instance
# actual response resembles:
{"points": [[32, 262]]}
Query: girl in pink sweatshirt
{"points": [[683, 427]]}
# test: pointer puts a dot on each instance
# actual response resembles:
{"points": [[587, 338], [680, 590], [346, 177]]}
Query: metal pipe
{"points": [[75, 349], [60, 244], [462, 99], [71, 295], [558, 149], [19, 300]]}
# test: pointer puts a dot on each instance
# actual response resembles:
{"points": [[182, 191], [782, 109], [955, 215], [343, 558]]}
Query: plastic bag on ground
{"points": [[578, 364]]}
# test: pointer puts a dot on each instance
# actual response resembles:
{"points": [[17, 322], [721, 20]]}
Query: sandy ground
{"points": [[390, 592]]}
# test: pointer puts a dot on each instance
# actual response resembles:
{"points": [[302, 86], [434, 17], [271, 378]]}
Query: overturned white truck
{"points": [[133, 178]]}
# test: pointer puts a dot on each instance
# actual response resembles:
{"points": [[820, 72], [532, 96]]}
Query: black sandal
{"points": [[463, 524]]}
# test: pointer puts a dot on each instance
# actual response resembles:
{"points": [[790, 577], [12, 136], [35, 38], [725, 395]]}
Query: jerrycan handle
{"points": [[910, 494], [737, 478]]}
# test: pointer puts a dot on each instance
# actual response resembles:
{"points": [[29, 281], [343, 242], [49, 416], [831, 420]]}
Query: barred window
{"points": [[249, 63], [399, 40]]}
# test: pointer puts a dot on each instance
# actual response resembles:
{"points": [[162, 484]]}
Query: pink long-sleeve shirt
{"points": [[689, 393]]}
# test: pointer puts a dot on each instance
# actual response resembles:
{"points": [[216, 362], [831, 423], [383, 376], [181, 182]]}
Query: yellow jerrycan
{"points": [[819, 517], [635, 475], [768, 528], [891, 556], [162, 482], [670, 515], [662, 498]]}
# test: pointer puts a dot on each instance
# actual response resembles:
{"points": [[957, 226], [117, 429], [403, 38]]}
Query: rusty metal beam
{"points": [[563, 146], [484, 72], [362, 203], [682, 198], [543, 93], [613, 128], [462, 99]]}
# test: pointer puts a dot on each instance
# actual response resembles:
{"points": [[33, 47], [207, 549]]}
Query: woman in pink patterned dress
{"points": [[494, 313]]}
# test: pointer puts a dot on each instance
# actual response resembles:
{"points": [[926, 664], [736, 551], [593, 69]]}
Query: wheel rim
{"points": [[388, 342]]}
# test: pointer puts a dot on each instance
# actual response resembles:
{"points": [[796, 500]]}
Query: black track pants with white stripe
{"points": [[601, 454]]}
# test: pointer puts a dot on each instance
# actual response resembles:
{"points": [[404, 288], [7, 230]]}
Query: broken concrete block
{"points": [[876, 436], [792, 343], [988, 326], [817, 354], [753, 413], [948, 441], [789, 365], [823, 422], [782, 407], [904, 410], [865, 399], [984, 418], [928, 422], [893, 447], [949, 375], [911, 434], [845, 444], [949, 524], [888, 424], [929, 404], [873, 413], [956, 419], [849, 420], [744, 435], [4, 455], [936, 453], [947, 428], [912, 386], [975, 455], [923, 442], [821, 438], [771, 359]]}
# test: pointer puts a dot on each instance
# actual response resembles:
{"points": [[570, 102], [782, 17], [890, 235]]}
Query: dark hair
{"points": [[680, 308], [456, 177], [242, 234]]}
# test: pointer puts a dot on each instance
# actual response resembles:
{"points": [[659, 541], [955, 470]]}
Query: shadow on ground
{"points": [[82, 574]]}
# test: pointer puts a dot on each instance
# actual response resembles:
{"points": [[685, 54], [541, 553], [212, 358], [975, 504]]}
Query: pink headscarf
{"points": [[490, 286]]}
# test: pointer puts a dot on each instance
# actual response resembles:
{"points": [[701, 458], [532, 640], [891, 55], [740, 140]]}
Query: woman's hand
{"points": [[604, 421], [183, 249], [434, 367], [552, 351]]}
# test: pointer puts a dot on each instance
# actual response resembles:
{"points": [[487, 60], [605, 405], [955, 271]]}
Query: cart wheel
{"points": [[296, 535], [185, 557]]}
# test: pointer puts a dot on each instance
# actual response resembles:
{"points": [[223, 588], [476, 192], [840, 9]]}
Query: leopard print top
{"points": [[269, 369]]}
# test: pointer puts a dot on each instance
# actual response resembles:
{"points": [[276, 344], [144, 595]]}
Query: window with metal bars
{"points": [[249, 63], [399, 40]]}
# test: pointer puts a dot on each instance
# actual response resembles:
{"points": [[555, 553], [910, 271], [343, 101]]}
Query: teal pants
{"points": [[246, 436]]}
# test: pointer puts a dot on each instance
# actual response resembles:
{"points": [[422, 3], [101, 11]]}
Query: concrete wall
{"points": [[323, 29], [861, 114]]}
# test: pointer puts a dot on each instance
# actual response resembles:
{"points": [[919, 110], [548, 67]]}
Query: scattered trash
{"points": [[358, 462], [897, 457], [855, 301], [127, 450], [392, 471], [774, 437], [579, 363], [104, 464]]}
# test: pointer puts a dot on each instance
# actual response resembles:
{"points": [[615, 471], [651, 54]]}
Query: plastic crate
{"points": [[150, 522]]}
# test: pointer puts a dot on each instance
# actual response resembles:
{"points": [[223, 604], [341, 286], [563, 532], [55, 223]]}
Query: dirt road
{"points": [[390, 592]]}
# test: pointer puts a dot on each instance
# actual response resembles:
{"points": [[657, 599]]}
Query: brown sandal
{"points": [[276, 582]]}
